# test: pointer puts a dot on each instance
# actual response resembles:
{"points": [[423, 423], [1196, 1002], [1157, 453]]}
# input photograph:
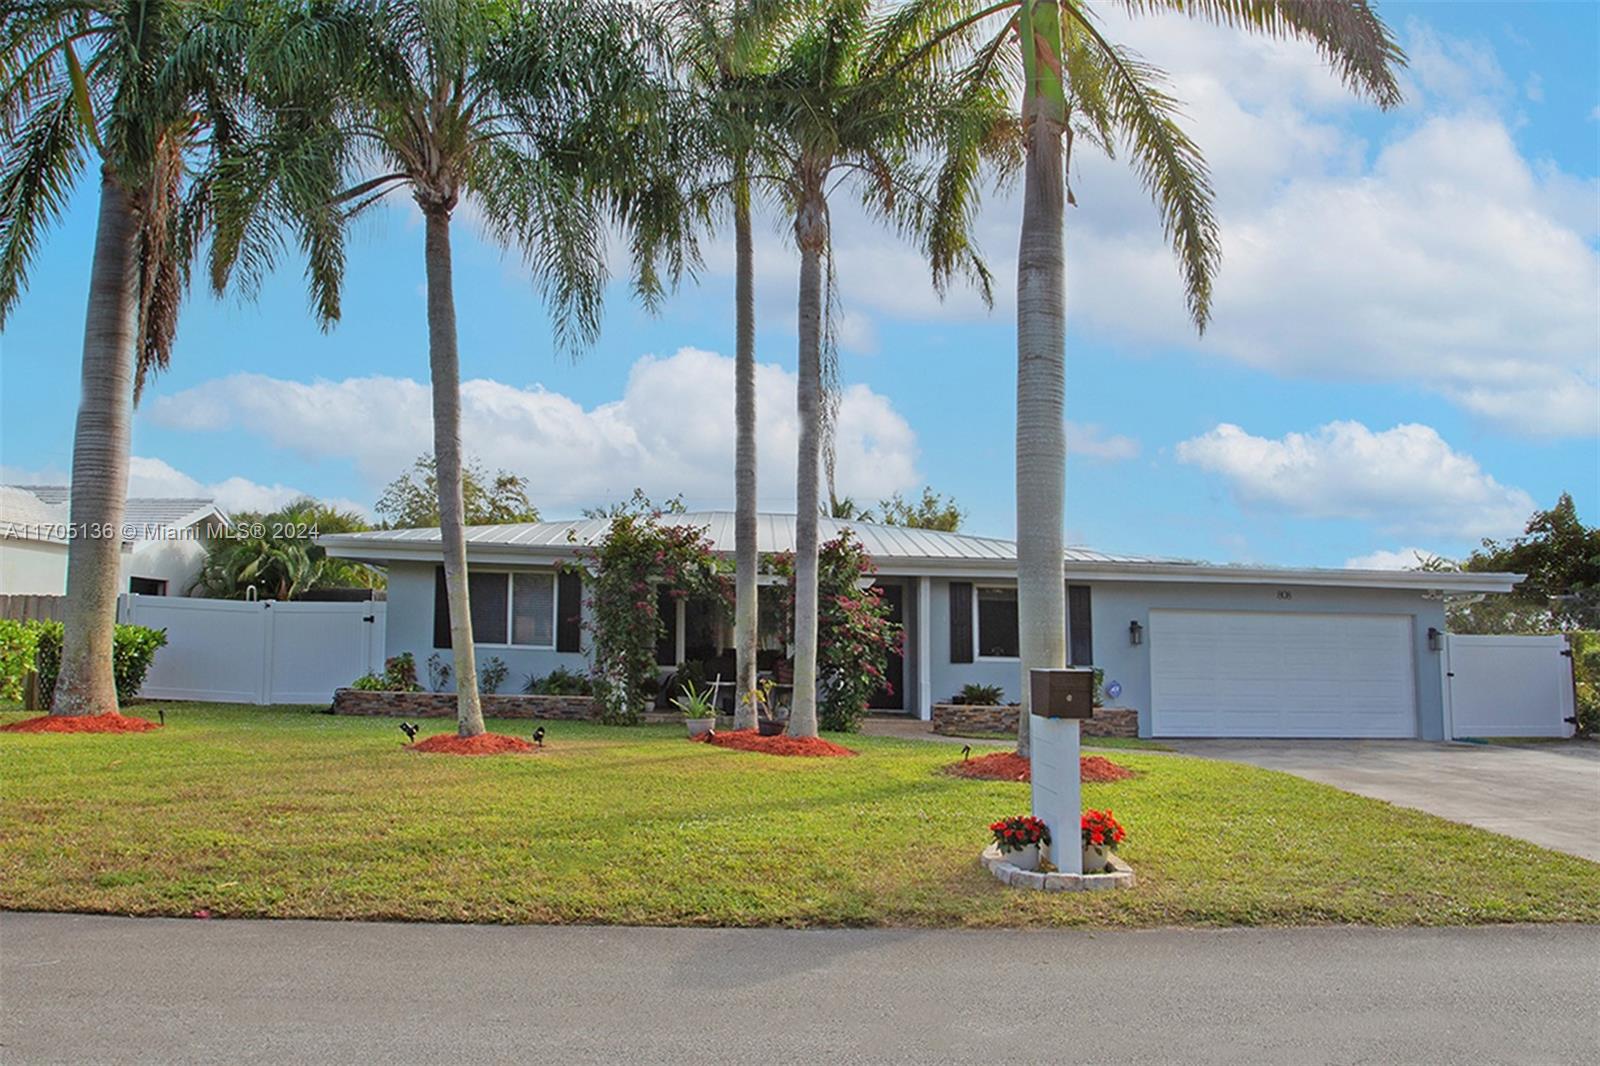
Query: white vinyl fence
{"points": [[1497, 686], [267, 651]]}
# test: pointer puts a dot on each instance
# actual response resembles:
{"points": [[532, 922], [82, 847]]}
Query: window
{"points": [[533, 610], [521, 609], [996, 623], [517, 609], [487, 593], [147, 586]]}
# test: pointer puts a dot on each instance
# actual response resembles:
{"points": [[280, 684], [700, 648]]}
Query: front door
{"points": [[893, 695]]}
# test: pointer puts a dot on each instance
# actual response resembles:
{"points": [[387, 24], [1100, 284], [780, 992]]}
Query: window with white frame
{"points": [[995, 623], [516, 609]]}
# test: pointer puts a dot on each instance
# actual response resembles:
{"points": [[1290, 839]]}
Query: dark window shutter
{"points": [[569, 611], [1080, 627], [961, 621], [667, 635], [441, 610]]}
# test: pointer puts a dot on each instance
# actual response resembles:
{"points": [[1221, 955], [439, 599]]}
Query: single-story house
{"points": [[164, 540], [1196, 649]]}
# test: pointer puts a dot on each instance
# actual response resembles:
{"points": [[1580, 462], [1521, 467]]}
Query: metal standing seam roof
{"points": [[894, 548], [774, 533]]}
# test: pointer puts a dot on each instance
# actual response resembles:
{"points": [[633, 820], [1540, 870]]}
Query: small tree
{"points": [[1561, 557], [411, 501], [637, 555], [933, 511], [276, 554], [854, 633]]}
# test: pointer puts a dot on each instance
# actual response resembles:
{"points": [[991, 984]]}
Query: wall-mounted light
{"points": [[1435, 639], [1135, 634]]}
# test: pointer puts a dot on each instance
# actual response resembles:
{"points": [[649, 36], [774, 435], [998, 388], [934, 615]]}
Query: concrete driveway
{"points": [[1546, 793]]}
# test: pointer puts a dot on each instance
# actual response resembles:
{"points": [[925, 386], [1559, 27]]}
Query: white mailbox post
{"points": [[1058, 700]]}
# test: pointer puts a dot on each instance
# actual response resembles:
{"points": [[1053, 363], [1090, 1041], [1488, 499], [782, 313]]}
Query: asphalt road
{"points": [[91, 989]]}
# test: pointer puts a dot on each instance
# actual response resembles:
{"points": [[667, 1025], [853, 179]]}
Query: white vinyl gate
{"points": [[266, 651], [1502, 686]]}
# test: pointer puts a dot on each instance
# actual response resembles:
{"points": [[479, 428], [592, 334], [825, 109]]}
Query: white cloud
{"points": [[1087, 439], [672, 431], [148, 476], [1403, 479], [155, 477], [1389, 559], [1341, 259]]}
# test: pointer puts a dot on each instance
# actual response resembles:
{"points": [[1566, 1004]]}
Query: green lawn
{"points": [[282, 812]]}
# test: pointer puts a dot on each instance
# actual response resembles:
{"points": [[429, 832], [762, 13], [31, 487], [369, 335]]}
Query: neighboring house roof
{"points": [[897, 550], [143, 516], [27, 517]]}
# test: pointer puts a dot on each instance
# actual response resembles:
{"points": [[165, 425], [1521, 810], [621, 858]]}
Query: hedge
{"points": [[133, 650]]}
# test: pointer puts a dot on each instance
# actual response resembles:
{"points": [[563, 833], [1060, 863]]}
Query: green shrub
{"points": [[19, 643], [133, 649], [1586, 679], [980, 695], [399, 675], [558, 682], [492, 675]]}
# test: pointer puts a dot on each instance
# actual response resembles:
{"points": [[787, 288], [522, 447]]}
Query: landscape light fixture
{"points": [[1135, 634], [1435, 639]]}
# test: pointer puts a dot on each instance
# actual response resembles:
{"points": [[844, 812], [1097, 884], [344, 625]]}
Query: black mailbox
{"points": [[1063, 693]]}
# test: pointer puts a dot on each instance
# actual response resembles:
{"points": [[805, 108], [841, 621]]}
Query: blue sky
{"points": [[1405, 350]]}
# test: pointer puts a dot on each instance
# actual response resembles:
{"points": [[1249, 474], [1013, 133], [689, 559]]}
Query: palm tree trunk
{"points": [[445, 367], [746, 614], [87, 683], [811, 230], [1041, 408]]}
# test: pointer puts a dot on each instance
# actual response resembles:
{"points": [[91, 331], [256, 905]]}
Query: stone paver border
{"points": [[1121, 875]]}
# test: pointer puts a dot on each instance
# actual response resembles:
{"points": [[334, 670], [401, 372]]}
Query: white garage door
{"points": [[1256, 674]]}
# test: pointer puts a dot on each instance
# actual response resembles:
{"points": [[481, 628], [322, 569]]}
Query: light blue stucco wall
{"points": [[1113, 604], [410, 628], [945, 677], [1116, 603]]}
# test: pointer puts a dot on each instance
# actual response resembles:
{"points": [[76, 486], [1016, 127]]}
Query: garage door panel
{"points": [[1259, 674]]}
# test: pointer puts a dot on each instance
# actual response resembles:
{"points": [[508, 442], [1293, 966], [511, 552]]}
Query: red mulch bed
{"points": [[482, 744], [751, 740], [81, 723], [1009, 766]]}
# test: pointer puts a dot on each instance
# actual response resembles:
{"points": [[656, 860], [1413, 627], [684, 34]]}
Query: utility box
{"points": [[1063, 693]]}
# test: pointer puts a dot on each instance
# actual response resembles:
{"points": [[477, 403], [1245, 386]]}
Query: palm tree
{"points": [[723, 45], [847, 103], [143, 87], [1075, 82], [544, 115]]}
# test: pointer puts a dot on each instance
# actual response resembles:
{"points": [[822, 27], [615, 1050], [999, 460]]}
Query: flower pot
{"points": [[767, 727], [1096, 858], [699, 727], [1026, 858]]}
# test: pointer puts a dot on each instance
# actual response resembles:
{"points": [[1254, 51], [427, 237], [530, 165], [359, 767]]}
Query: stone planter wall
{"points": [[957, 719], [443, 705]]}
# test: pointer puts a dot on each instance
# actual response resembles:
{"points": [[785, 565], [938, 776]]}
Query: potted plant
{"points": [[767, 723], [699, 714], [1101, 835], [1018, 838]]}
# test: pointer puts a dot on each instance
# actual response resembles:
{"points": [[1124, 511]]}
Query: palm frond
{"points": [[1348, 33], [1169, 164], [37, 173]]}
